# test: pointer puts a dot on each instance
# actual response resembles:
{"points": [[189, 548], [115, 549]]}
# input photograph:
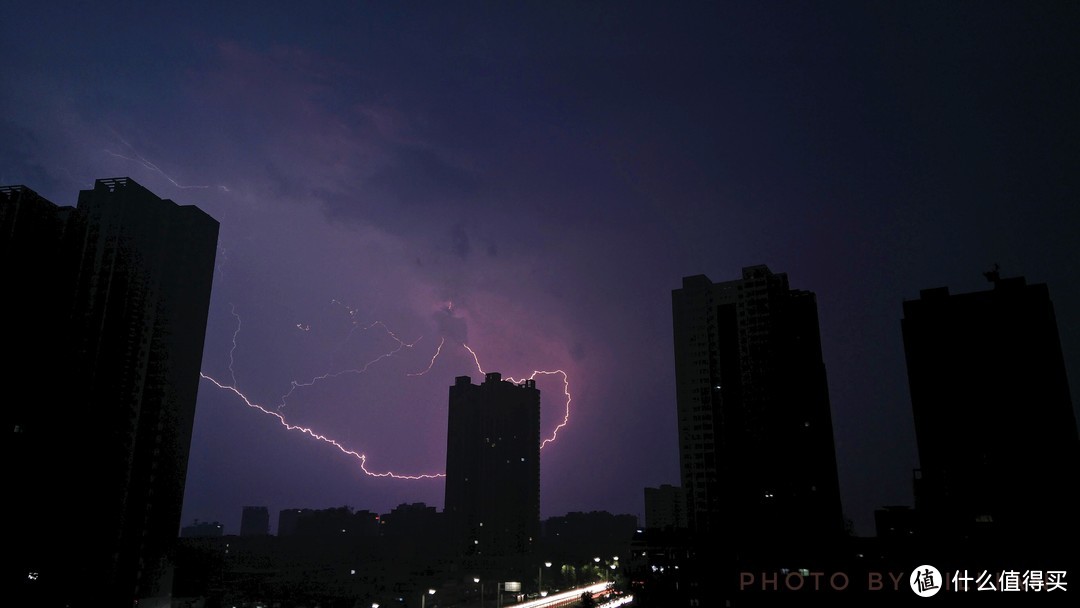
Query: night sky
{"points": [[532, 180]]}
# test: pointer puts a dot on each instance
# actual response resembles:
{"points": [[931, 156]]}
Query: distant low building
{"points": [[587, 535], [335, 523], [203, 529], [665, 508], [288, 520]]}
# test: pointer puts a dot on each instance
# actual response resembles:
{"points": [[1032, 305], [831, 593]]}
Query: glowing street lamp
{"points": [[476, 579], [423, 597], [540, 577]]}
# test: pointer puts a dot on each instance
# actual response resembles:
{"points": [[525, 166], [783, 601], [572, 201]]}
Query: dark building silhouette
{"points": [[255, 521], [413, 521], [288, 519], [665, 508], [493, 466], [338, 523], [416, 530], [579, 537], [755, 431], [898, 523], [106, 306], [203, 529], [994, 420]]}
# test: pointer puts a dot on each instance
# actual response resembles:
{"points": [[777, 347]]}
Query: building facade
{"points": [[493, 466], [756, 451], [110, 302], [994, 421]]}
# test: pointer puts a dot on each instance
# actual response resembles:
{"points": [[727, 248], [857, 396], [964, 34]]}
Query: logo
{"points": [[925, 581]]}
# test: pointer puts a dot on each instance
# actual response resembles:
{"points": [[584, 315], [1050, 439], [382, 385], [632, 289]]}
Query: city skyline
{"points": [[532, 182]]}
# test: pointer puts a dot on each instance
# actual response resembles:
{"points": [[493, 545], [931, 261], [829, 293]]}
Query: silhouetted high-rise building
{"points": [[994, 420], [106, 306], [255, 521], [493, 465], [755, 432]]}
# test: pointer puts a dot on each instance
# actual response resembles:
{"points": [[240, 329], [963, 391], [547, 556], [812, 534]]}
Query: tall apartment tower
{"points": [[996, 430], [106, 305], [756, 450], [493, 466]]}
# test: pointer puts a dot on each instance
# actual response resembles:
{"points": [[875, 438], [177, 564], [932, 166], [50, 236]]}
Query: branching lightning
{"points": [[307, 431], [566, 391], [401, 344], [295, 385], [433, 357]]}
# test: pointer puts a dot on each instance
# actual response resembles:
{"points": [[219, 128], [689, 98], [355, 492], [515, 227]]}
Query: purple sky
{"points": [[534, 180]]}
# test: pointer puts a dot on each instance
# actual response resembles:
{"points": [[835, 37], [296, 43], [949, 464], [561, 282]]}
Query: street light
{"points": [[476, 579], [423, 597], [540, 577]]}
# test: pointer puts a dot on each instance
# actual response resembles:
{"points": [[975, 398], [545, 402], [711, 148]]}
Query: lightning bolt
{"points": [[352, 312], [138, 158], [401, 344], [433, 357], [566, 392], [309, 432], [295, 427], [232, 351]]}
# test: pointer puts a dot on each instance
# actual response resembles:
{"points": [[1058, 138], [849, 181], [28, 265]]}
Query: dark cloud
{"points": [[453, 328], [15, 160], [416, 176], [460, 241]]}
